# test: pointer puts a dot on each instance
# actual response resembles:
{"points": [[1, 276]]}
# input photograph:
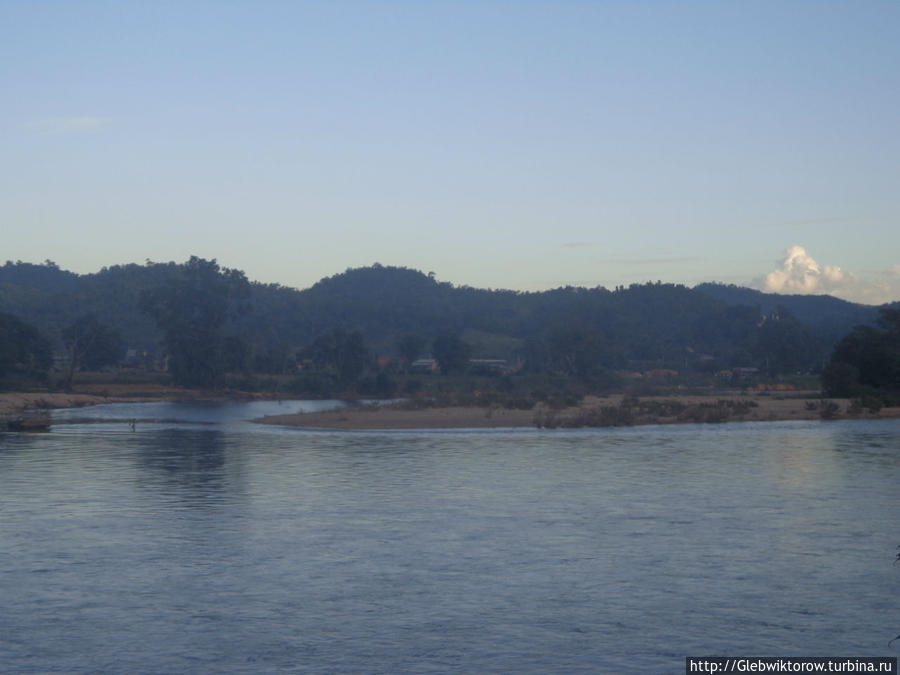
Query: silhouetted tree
{"points": [[451, 353], [574, 350], [840, 379], [192, 311], [22, 348], [873, 354], [340, 353], [90, 344]]}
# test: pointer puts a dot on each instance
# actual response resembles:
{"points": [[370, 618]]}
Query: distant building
{"points": [[427, 365]]}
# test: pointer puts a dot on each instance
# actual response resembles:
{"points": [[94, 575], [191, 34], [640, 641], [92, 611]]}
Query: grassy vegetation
{"points": [[521, 390], [632, 411]]}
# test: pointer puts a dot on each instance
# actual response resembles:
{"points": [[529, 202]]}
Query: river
{"points": [[201, 543]]}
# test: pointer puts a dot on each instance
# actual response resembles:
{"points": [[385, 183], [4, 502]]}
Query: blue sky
{"points": [[520, 145]]}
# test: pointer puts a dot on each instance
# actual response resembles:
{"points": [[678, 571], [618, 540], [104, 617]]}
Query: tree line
{"points": [[205, 322], [866, 362]]}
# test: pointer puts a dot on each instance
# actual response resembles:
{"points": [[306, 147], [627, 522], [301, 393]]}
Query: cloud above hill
{"points": [[799, 273]]}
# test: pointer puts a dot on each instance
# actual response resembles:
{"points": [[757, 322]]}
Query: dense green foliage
{"points": [[452, 353], [410, 347], [867, 361], [192, 310], [828, 317], [92, 345], [22, 349], [206, 321], [341, 355]]}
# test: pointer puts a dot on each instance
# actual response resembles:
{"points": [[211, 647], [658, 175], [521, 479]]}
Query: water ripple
{"points": [[211, 545]]}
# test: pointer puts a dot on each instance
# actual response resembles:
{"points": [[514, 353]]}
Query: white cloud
{"points": [[799, 273], [66, 125]]}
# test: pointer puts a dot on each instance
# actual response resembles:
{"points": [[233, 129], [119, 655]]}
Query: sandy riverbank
{"points": [[608, 411], [12, 403], [398, 417], [594, 411]]}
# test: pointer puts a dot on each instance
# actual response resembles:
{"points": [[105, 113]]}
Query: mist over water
{"points": [[201, 543]]}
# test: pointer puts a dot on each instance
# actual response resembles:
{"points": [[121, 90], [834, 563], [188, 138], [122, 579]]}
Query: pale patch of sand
{"points": [[398, 417], [11, 403], [14, 402], [767, 408]]}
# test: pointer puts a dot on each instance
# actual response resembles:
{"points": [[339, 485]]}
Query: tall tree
{"points": [[193, 310], [342, 354], [451, 353], [91, 344], [867, 356], [22, 348]]}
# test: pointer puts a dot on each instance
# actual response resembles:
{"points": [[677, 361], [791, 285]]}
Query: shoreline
{"points": [[613, 410], [593, 412], [14, 402]]}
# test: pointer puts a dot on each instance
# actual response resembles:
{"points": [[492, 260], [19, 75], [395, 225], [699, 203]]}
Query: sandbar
{"points": [[692, 409]]}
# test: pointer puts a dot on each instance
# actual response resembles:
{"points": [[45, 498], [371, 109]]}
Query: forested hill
{"points": [[650, 325], [828, 315]]}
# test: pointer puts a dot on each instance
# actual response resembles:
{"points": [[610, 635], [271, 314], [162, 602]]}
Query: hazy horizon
{"points": [[499, 145]]}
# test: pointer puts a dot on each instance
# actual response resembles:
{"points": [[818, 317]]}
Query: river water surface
{"points": [[201, 543]]}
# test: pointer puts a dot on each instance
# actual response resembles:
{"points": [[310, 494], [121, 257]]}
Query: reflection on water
{"points": [[192, 460], [202, 543]]}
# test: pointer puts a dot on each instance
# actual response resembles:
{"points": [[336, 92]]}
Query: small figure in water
{"points": [[133, 423]]}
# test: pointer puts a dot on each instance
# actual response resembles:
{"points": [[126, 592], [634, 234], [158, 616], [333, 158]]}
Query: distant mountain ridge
{"points": [[643, 324], [832, 315], [807, 307]]}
